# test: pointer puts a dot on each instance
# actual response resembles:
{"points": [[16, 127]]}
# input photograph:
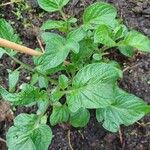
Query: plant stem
{"points": [[27, 67], [20, 48], [63, 15], [48, 78], [104, 48], [41, 114], [65, 19], [20, 67]]}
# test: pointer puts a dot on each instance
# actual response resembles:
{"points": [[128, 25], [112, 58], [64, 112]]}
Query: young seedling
{"points": [[88, 81]]}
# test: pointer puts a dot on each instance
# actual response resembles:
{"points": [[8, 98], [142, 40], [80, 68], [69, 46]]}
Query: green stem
{"points": [[63, 15], [104, 48], [48, 78], [27, 67], [65, 19], [20, 67]]}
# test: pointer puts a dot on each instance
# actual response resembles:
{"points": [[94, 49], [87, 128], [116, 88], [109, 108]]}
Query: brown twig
{"points": [[131, 67], [66, 63], [36, 32], [81, 134], [69, 140], [120, 136], [9, 3], [20, 48], [143, 124], [2, 140], [40, 44]]}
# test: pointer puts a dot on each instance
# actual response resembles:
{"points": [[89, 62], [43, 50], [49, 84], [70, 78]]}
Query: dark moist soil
{"points": [[136, 15]]}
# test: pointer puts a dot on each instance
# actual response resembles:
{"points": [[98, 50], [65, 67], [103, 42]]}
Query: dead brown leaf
{"points": [[6, 113]]}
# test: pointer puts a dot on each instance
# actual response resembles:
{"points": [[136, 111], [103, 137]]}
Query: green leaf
{"points": [[120, 31], [28, 95], [25, 121], [92, 87], [42, 137], [13, 78], [52, 24], [56, 52], [19, 140], [60, 67], [97, 57], [72, 20], [42, 106], [124, 109], [44, 119], [86, 50], [60, 25], [34, 79], [63, 81], [27, 134], [99, 13], [73, 46], [103, 35], [136, 40], [43, 82], [77, 34], [48, 37], [59, 115], [56, 94], [7, 32], [126, 50], [114, 63], [52, 5], [80, 118]]}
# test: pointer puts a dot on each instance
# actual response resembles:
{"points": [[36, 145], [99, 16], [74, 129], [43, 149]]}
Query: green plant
{"points": [[20, 8], [88, 79]]}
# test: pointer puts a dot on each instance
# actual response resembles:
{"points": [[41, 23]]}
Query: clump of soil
{"points": [[136, 15]]}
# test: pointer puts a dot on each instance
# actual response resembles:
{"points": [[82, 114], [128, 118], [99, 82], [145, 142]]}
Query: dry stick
{"points": [[38, 39], [81, 134], [131, 67], [40, 44], [19, 48], [143, 124], [5, 4], [120, 136], [22, 49], [2, 140], [69, 140], [9, 3]]}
